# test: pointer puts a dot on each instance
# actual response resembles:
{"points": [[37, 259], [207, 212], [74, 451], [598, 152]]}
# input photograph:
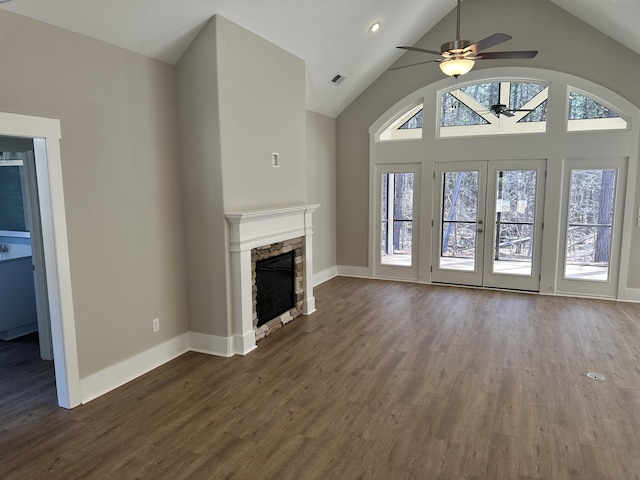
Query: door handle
{"points": [[479, 230]]}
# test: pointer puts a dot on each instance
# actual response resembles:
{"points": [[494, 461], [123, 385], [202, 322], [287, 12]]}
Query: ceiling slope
{"points": [[331, 36]]}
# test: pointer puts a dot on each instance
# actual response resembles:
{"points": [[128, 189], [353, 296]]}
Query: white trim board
{"points": [[629, 295]]}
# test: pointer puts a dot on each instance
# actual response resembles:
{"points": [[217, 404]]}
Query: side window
{"points": [[590, 223], [407, 125], [396, 234], [586, 113]]}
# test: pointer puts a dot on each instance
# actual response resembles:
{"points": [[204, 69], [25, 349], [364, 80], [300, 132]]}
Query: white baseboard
{"points": [[359, 272], [629, 295], [112, 377], [115, 376], [324, 276], [211, 344]]}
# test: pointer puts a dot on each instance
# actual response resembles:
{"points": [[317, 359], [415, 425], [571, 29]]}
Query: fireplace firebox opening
{"points": [[275, 282]]}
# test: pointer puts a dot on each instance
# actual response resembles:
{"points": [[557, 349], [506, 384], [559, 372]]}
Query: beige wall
{"points": [[262, 110], [240, 99], [120, 169], [565, 43], [321, 161], [200, 154]]}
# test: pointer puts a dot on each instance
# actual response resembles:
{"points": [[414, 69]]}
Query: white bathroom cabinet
{"points": [[17, 297]]}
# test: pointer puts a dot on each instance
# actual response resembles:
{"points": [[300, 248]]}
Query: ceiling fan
{"points": [[501, 109], [458, 56]]}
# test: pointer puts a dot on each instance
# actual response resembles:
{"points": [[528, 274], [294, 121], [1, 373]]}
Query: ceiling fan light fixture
{"points": [[456, 66]]}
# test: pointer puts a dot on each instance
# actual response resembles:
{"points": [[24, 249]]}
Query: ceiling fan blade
{"points": [[506, 113], [422, 50], [507, 55], [413, 64], [488, 42]]}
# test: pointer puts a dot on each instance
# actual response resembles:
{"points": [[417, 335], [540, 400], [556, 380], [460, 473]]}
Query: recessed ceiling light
{"points": [[374, 27]]}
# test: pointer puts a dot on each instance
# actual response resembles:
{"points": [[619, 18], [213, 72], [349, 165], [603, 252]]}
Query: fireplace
{"points": [[258, 235]]}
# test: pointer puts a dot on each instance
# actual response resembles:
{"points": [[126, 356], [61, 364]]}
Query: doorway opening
{"points": [[22, 270], [45, 134]]}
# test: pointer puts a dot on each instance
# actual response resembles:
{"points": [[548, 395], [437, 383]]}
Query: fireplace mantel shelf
{"points": [[253, 215]]}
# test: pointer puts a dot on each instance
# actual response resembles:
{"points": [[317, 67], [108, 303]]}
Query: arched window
{"points": [[588, 113], [408, 125], [492, 108]]}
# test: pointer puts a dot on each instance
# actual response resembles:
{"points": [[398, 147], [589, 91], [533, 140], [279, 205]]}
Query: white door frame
{"points": [[396, 272], [32, 204], [46, 134]]}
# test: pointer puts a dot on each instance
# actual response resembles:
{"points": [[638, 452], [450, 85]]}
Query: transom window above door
{"points": [[497, 107], [493, 108]]}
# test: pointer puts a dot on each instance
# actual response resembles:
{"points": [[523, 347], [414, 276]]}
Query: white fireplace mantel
{"points": [[248, 230]]}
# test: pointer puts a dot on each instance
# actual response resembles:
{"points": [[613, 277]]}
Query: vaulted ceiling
{"points": [[331, 36]]}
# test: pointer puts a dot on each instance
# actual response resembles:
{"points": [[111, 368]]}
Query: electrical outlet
{"points": [[155, 325]]}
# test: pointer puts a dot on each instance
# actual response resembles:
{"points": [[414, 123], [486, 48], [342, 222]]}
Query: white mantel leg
{"points": [[244, 336], [309, 305]]}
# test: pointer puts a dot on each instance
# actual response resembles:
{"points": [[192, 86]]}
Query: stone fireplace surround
{"points": [[253, 230], [269, 251]]}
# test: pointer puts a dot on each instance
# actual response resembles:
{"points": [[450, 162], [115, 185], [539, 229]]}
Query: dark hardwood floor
{"points": [[385, 381]]}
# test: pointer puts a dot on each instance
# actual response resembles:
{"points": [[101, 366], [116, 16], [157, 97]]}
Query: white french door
{"points": [[487, 223]]}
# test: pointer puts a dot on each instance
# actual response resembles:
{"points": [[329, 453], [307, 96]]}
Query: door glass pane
{"points": [[515, 205], [459, 214], [589, 225], [396, 236]]}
